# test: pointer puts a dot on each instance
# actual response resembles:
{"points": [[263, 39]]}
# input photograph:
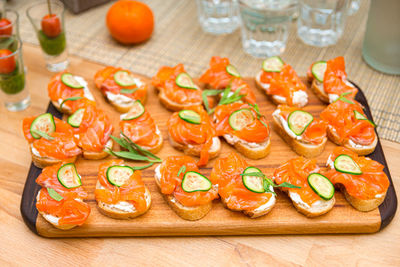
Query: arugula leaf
{"points": [[70, 99], [128, 91], [43, 134], [181, 170], [54, 195]]}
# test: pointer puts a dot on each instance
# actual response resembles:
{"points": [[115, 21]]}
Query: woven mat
{"points": [[179, 38]]}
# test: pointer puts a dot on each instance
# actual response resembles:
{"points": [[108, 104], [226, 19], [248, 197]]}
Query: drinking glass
{"points": [[354, 6], [218, 16], [265, 26], [321, 22], [381, 47], [13, 88], [51, 38], [9, 23]]}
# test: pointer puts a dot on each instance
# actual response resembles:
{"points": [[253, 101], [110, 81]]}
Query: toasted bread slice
{"points": [[318, 89], [276, 99], [188, 213], [363, 204], [257, 212], [171, 105], [301, 148], [98, 155], [316, 209], [194, 150], [42, 162], [249, 150], [124, 105], [53, 219], [361, 150], [113, 211]]}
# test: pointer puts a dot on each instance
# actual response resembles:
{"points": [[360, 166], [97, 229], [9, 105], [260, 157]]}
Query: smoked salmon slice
{"points": [[341, 118], [132, 191], [107, 81], [197, 137], [58, 92], [171, 174], [335, 78], [70, 209], [227, 174], [372, 183]]}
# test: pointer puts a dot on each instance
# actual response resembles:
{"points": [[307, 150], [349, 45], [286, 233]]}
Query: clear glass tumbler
{"points": [[265, 26], [354, 6], [14, 92], [9, 23], [50, 29], [218, 16], [321, 22]]}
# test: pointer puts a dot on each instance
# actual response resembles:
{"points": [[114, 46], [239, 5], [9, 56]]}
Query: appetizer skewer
{"points": [[361, 179], [120, 192], [121, 87], [60, 201], [305, 134], [176, 88], [187, 192]]}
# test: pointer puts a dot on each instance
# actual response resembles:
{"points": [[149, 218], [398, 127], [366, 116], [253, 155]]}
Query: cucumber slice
{"points": [[273, 64], [321, 185], [253, 183], [232, 71], [124, 78], [194, 181], [360, 116], [240, 119], [43, 123], [185, 81], [344, 163], [298, 121], [190, 116], [68, 176], [318, 70], [69, 80], [119, 175], [75, 119], [134, 112]]}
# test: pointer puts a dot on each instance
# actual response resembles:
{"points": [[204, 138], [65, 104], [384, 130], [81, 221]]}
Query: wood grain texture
{"points": [[19, 246], [161, 220]]}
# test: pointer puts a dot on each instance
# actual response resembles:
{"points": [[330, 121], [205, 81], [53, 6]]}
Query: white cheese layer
{"points": [[119, 99], [51, 218], [86, 92], [34, 151], [330, 163], [354, 145], [332, 97], [232, 139], [300, 98], [296, 198], [122, 206], [267, 205]]}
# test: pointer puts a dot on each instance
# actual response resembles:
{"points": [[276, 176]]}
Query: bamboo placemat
{"points": [[179, 38]]}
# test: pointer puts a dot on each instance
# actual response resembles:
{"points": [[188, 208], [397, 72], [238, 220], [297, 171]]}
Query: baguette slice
{"points": [[194, 150], [277, 100], [113, 212], [171, 105], [98, 155], [318, 89], [159, 144], [42, 162], [53, 219], [257, 212], [124, 107], [301, 148], [363, 150], [188, 213], [314, 210], [249, 151]]}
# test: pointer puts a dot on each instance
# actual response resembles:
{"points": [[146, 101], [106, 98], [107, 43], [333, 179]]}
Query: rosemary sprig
{"points": [[267, 182], [135, 152]]}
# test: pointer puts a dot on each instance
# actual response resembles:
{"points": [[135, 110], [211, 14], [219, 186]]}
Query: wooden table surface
{"points": [[19, 245]]}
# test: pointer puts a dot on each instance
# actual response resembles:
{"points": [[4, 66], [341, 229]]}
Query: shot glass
{"points": [[321, 22], [49, 26], [9, 23], [218, 16], [265, 26], [14, 92]]}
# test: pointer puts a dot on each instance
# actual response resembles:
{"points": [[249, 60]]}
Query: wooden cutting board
{"points": [[160, 220]]}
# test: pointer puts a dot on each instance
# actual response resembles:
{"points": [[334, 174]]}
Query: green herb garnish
{"points": [[267, 182], [70, 99], [42, 134], [54, 195], [181, 170], [128, 91]]}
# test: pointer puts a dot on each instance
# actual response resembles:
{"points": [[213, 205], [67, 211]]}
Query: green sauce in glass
{"points": [[52, 46], [14, 82]]}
